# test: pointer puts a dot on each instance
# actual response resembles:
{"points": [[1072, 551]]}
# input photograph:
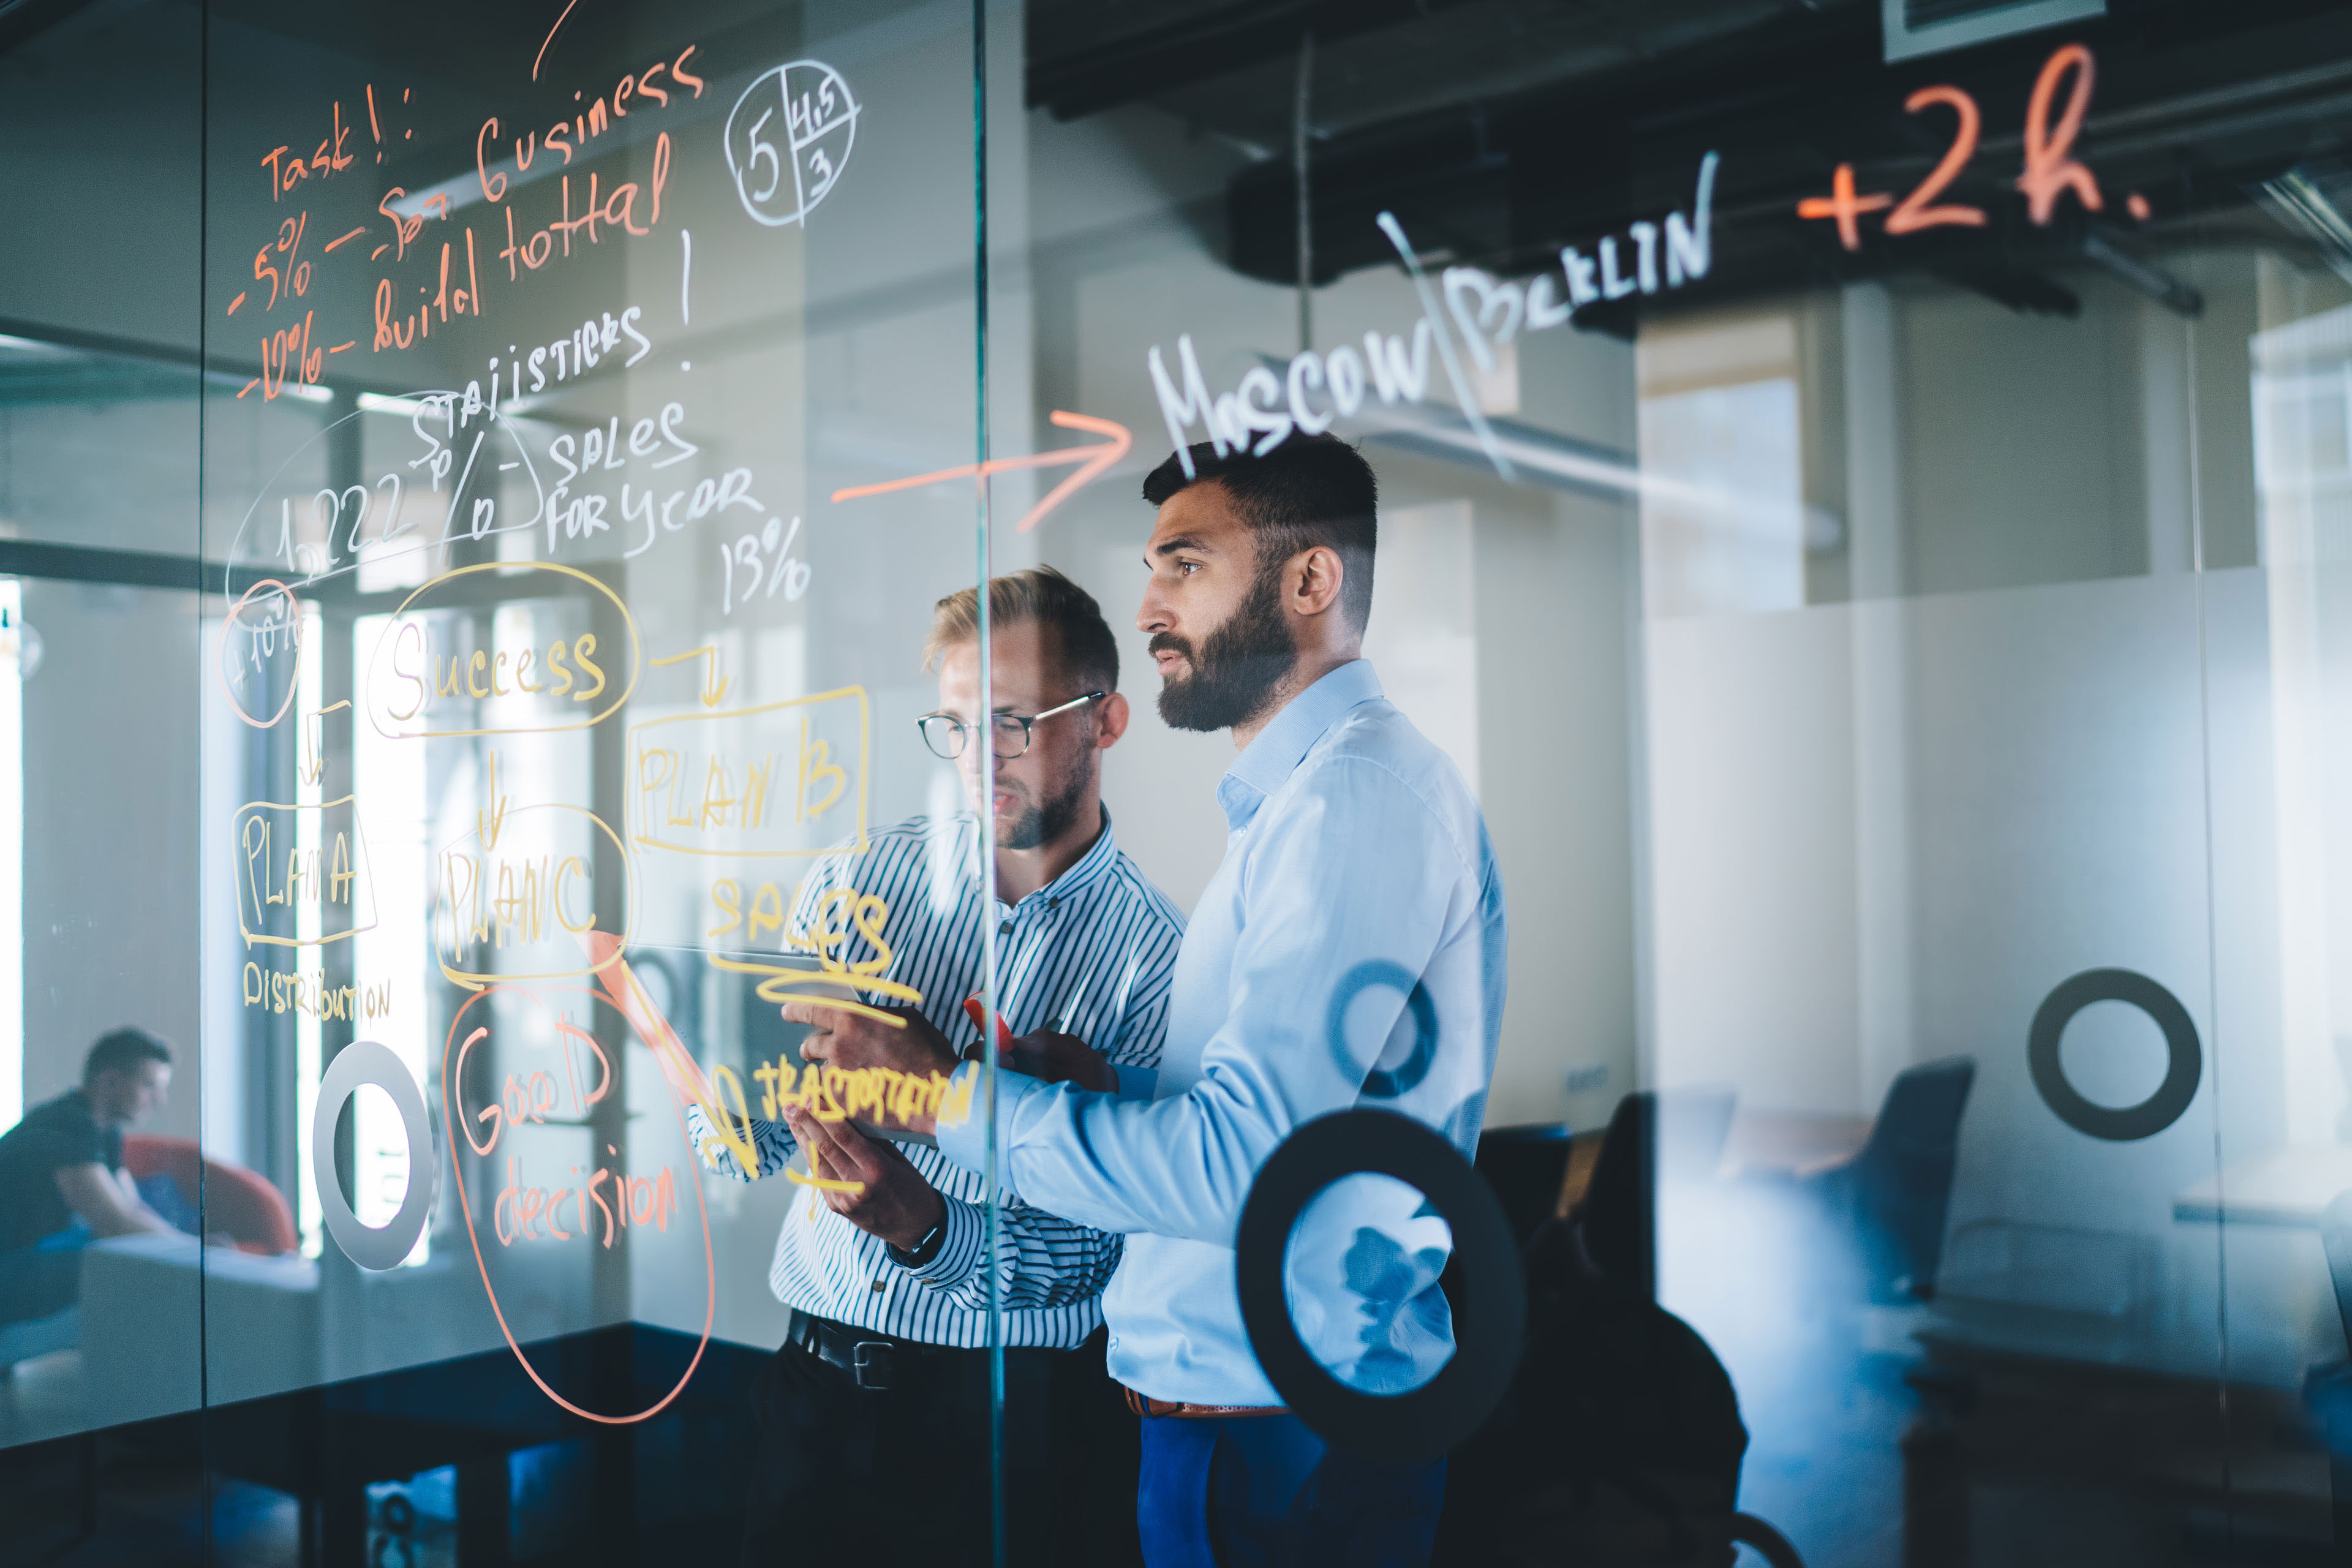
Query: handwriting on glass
{"points": [[1482, 313], [406, 308], [527, 1100], [279, 990], [788, 140], [2051, 169], [877, 1096]]}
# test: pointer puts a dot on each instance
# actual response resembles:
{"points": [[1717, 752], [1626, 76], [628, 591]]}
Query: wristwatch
{"points": [[924, 1250]]}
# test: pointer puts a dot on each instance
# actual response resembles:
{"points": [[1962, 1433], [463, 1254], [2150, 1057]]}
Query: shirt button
{"points": [[1114, 1342], [875, 1287]]}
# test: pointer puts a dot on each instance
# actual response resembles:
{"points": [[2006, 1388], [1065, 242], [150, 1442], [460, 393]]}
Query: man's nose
{"points": [[1150, 615]]}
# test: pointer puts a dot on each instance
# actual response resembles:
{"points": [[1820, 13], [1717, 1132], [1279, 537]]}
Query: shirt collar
{"points": [[1086, 869], [1285, 742]]}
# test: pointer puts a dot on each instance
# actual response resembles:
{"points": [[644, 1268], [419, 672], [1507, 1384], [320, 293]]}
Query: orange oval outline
{"points": [[466, 1207], [392, 624], [292, 686]]}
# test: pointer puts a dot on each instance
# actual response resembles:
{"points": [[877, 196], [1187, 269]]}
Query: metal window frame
{"points": [[1906, 42]]}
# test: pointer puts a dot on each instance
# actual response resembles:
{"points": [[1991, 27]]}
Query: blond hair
{"points": [[1041, 596]]}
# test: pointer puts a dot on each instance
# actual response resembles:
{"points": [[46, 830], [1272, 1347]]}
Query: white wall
{"points": [[110, 840], [1881, 832]]}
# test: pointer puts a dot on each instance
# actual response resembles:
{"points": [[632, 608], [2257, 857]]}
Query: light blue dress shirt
{"points": [[1357, 873]]}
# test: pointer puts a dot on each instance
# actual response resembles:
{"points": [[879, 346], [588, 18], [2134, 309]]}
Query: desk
{"points": [[2030, 1445], [1760, 1143], [2287, 1186], [1792, 1142], [1583, 1154]]}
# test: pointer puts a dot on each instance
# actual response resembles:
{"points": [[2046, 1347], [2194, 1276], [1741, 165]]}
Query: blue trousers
{"points": [[1264, 1491]]}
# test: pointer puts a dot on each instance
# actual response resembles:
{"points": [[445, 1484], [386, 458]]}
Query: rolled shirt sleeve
{"points": [[772, 1140], [1042, 1259]]}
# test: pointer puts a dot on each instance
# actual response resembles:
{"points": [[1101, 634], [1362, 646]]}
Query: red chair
{"points": [[237, 1202]]}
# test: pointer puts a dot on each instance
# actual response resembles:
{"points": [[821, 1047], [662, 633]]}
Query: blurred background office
{"points": [[1864, 508]]}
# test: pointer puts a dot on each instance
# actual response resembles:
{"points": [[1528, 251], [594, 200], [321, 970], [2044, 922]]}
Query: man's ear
{"points": [[1111, 715], [1312, 583]]}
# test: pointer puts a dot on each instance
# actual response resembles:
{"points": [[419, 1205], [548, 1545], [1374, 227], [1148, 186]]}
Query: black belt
{"points": [[875, 1359]]}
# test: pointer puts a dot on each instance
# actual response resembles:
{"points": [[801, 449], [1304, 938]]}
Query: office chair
{"points": [[1895, 1194], [1677, 1135], [238, 1202], [1619, 1443], [1747, 1530], [1525, 1166]]}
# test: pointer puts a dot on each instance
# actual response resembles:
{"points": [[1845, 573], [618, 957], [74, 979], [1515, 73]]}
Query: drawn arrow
{"points": [[620, 987], [314, 766], [486, 825], [1093, 462], [714, 685]]}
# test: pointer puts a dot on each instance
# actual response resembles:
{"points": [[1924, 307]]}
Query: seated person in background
{"points": [[876, 1409], [61, 1176]]}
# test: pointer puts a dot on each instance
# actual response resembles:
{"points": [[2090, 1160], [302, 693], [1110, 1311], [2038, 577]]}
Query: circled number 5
{"points": [[763, 148]]}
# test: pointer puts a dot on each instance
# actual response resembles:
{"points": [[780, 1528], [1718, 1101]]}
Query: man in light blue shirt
{"points": [[1350, 950]]}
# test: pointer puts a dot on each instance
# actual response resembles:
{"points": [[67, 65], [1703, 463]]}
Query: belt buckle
{"points": [[872, 1374]]}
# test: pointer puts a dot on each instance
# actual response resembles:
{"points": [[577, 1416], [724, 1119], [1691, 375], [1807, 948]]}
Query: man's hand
{"points": [[840, 1038], [844, 1039], [894, 1202], [1062, 1059]]}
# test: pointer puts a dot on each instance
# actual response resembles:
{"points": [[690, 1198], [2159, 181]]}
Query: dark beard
{"points": [[1043, 824], [1236, 667]]}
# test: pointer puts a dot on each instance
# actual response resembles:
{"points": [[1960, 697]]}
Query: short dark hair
{"points": [[1038, 596], [121, 1050], [1310, 490]]}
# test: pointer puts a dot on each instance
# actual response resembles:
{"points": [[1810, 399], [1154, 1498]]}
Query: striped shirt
{"points": [[1088, 954]]}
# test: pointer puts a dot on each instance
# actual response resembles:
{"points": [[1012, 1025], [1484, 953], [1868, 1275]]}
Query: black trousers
{"points": [[900, 1475]]}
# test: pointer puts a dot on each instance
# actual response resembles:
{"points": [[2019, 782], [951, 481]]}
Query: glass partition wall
{"points": [[1857, 519], [517, 722], [102, 728]]}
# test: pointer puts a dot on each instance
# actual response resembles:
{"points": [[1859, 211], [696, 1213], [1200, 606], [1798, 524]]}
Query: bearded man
{"points": [[1348, 950]]}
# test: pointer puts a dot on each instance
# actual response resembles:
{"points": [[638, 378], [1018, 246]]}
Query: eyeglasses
{"points": [[946, 734]]}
